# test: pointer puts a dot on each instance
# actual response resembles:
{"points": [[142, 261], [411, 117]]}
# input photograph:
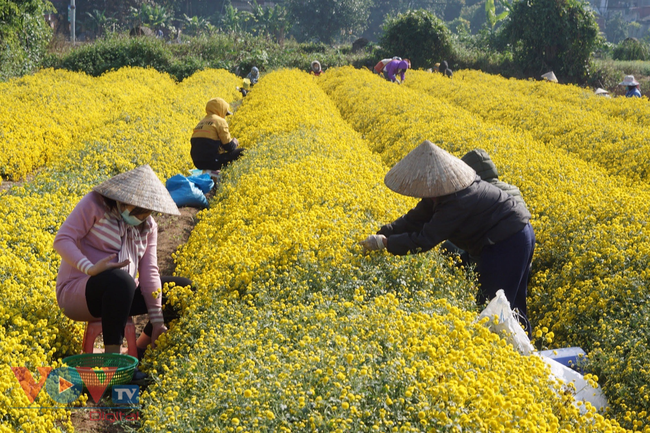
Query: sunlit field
{"points": [[292, 326]]}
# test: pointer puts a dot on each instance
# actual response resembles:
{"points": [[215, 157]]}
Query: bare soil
{"points": [[5, 183]]}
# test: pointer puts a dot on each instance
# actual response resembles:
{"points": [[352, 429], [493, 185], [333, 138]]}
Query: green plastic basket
{"points": [[85, 364]]}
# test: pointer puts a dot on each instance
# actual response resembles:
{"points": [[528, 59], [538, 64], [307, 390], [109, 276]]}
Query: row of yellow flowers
{"points": [[609, 133], [631, 111], [148, 120], [590, 267], [54, 111], [42, 117], [292, 328]]}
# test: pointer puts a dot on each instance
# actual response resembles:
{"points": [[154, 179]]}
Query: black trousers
{"points": [[113, 296], [221, 161], [506, 265]]}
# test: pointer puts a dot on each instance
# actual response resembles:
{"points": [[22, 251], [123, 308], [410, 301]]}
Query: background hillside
{"points": [[586, 44]]}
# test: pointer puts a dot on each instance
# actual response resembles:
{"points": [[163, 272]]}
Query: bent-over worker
{"points": [[473, 214]]}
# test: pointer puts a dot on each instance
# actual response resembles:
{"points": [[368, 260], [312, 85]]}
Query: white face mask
{"points": [[130, 219]]}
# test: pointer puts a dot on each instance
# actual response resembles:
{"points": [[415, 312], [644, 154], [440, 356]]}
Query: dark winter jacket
{"points": [[480, 161], [472, 218]]}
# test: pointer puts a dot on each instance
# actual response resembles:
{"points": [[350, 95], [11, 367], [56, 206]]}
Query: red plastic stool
{"points": [[94, 328]]}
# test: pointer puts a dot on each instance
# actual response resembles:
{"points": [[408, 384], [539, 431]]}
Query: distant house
{"points": [[633, 11], [641, 14]]}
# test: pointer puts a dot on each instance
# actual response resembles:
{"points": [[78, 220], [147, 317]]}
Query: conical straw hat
{"points": [[139, 187], [550, 76], [429, 171]]}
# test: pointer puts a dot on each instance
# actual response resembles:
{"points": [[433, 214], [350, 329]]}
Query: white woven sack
{"points": [[507, 326]]}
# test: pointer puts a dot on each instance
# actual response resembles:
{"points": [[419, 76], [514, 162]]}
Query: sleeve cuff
{"points": [[156, 316], [84, 265]]}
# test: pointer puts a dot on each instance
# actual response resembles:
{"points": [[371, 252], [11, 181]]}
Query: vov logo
{"points": [[126, 394], [65, 384]]}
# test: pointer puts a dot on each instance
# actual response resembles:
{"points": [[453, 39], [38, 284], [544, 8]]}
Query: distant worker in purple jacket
{"points": [[395, 67], [473, 214]]}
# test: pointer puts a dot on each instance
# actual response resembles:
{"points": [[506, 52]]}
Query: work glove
{"points": [[373, 242]]}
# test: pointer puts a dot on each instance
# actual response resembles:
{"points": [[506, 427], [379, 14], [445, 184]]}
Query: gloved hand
{"points": [[374, 242]]}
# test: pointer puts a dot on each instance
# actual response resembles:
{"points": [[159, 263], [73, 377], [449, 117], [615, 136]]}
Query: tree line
{"points": [[510, 40]]}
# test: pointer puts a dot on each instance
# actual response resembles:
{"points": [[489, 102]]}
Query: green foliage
{"points": [[329, 20], [631, 49], [419, 36], [607, 73], [233, 20], [563, 41], [476, 16], [447, 10], [485, 52], [314, 47], [616, 28], [460, 26], [24, 35], [109, 54], [197, 26], [272, 22], [234, 53], [99, 22], [491, 12], [603, 49], [153, 16], [452, 9], [622, 68]]}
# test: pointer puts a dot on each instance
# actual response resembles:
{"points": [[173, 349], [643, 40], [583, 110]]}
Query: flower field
{"points": [[292, 327], [140, 117], [607, 132], [590, 267]]}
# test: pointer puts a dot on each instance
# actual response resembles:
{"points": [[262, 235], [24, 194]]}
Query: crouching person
{"points": [[109, 269], [212, 146]]}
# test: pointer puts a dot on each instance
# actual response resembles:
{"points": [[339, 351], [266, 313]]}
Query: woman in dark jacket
{"points": [[482, 164], [473, 214], [480, 161]]}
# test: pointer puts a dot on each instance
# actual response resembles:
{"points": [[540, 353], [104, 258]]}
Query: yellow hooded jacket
{"points": [[214, 125], [211, 139]]}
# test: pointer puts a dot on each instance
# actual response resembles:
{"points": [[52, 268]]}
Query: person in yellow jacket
{"points": [[212, 146]]}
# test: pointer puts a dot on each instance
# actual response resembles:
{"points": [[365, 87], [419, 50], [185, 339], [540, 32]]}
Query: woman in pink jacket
{"points": [[109, 268]]}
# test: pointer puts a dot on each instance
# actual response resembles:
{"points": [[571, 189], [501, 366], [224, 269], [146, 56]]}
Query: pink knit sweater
{"points": [[90, 233]]}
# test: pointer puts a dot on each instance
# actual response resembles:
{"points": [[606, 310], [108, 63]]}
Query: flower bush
{"points": [[590, 277], [292, 328], [609, 133], [140, 117]]}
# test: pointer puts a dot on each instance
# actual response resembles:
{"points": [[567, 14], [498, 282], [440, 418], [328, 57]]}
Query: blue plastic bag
{"points": [[189, 191], [203, 181]]}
